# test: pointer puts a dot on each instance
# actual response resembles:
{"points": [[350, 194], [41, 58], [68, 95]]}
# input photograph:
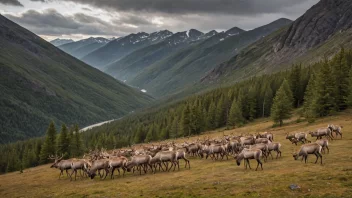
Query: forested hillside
{"points": [[40, 83], [305, 87]]}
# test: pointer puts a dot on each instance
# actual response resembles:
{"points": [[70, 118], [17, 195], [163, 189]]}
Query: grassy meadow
{"points": [[208, 178]]}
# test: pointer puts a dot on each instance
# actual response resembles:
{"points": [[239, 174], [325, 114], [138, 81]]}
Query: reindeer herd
{"points": [[166, 156]]}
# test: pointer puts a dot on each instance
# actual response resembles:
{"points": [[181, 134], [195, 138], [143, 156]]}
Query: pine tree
{"points": [[235, 115], [139, 136], [282, 105], [78, 144], [267, 102], [349, 97], [49, 145], [63, 142], [211, 123], [164, 134], [150, 135], [186, 121], [252, 104], [340, 76], [325, 101], [295, 84], [309, 106], [174, 128], [219, 113]]}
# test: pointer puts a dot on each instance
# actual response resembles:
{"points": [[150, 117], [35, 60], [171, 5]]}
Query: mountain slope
{"points": [[134, 63], [319, 32], [58, 42], [83, 47], [118, 48], [39, 83], [187, 66]]}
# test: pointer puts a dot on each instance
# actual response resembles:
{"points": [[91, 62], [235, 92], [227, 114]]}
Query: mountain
{"points": [[58, 42], [319, 33], [118, 48], [129, 66], [187, 66], [39, 83], [234, 31], [83, 47]]}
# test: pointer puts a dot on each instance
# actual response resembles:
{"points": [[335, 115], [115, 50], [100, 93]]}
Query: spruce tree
{"points": [[295, 84], [309, 106], [282, 104], [219, 113], [325, 100], [139, 136], [174, 128], [340, 76], [150, 134], [235, 115], [186, 121], [49, 145], [211, 123], [63, 142], [252, 104], [349, 97]]}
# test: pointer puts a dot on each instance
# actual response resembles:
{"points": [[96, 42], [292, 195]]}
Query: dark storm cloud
{"points": [[50, 22], [11, 2], [230, 7]]}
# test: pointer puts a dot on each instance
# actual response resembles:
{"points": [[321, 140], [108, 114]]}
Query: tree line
{"points": [[317, 90]]}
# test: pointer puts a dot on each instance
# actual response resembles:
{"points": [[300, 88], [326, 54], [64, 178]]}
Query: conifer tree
{"points": [[63, 142], [295, 84], [78, 144], [309, 106], [325, 101], [349, 97], [340, 76], [49, 145], [219, 113], [282, 104], [211, 123], [150, 133], [174, 128], [235, 115], [267, 102], [186, 121], [252, 104], [139, 136]]}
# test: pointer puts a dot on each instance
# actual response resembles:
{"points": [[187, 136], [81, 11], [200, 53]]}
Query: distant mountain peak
{"points": [[234, 31], [58, 41]]}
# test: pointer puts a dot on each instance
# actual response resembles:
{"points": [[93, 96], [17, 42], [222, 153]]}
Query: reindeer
{"points": [[270, 136], [117, 163], [80, 164], [306, 149], [247, 154], [336, 128], [97, 165], [263, 147], [247, 140], [168, 156], [61, 164], [139, 161], [322, 132], [262, 140], [324, 143], [274, 146], [181, 154], [301, 137]]}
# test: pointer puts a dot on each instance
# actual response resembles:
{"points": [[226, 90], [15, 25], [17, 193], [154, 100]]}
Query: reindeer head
{"points": [[57, 160], [295, 155]]}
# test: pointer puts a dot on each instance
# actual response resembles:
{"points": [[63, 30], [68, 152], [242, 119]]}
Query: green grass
{"points": [[208, 178]]}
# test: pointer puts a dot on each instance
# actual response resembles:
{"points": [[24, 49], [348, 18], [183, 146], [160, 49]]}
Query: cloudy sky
{"points": [[79, 19]]}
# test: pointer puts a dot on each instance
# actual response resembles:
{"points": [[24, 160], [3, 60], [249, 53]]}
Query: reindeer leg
{"points": [[321, 159], [249, 165], [112, 173], [106, 172], [328, 149], [316, 155]]}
